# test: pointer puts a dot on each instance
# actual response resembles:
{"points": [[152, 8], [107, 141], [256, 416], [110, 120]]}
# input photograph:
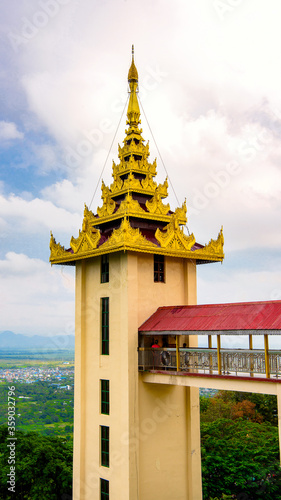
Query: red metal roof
{"points": [[216, 317]]}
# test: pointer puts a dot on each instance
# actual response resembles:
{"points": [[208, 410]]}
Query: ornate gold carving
{"points": [[149, 183], [156, 206], [131, 183], [163, 189], [172, 236], [214, 247], [141, 166], [129, 206], [133, 148], [127, 236], [117, 183], [57, 250], [140, 179], [180, 213], [152, 167], [89, 236], [108, 204], [89, 217]]}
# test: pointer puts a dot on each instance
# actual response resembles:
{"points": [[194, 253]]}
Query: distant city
{"points": [[31, 374]]}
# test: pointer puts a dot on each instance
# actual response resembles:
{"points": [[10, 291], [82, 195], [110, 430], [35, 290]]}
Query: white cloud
{"points": [[37, 215], [47, 158], [36, 298], [9, 131], [223, 284]]}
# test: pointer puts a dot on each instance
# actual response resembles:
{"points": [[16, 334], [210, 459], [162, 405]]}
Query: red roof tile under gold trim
{"points": [[216, 318]]}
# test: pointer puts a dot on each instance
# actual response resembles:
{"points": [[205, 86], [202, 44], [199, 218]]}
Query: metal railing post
{"points": [[211, 354], [219, 353], [266, 358], [177, 353], [251, 357]]}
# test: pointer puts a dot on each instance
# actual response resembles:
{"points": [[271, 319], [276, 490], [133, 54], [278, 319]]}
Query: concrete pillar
{"points": [[279, 415], [194, 478]]}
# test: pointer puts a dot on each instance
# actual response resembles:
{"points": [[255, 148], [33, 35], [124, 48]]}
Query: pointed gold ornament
{"points": [[135, 196]]}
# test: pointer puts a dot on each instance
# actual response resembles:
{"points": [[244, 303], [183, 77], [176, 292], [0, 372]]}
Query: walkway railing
{"points": [[227, 362]]}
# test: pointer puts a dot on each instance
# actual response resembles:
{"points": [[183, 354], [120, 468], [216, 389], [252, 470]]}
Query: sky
{"points": [[209, 85]]}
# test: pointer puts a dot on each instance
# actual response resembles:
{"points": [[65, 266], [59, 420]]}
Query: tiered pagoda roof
{"points": [[133, 216]]}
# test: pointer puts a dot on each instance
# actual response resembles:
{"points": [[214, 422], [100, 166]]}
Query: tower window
{"points": [[104, 446], [159, 268], [105, 325], [105, 397], [104, 269], [104, 489]]}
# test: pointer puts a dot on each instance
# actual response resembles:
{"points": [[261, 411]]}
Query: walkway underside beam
{"points": [[241, 384]]}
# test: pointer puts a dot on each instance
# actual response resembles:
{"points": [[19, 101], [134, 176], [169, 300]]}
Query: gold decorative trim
{"points": [[141, 215], [108, 204], [214, 247], [148, 183], [86, 241], [117, 183], [126, 236], [156, 206], [131, 183], [56, 249], [129, 206], [180, 213], [163, 189], [133, 148], [137, 166], [89, 236], [173, 237]]}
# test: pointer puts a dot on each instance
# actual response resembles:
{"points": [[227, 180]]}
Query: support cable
{"points": [[170, 182], [108, 154]]}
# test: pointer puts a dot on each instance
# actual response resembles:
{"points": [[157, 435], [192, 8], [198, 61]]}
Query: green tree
{"points": [[240, 458], [43, 467], [230, 404]]}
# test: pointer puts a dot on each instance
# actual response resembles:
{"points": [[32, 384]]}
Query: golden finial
{"points": [[133, 73]]}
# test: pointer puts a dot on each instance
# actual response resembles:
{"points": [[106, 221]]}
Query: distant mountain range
{"points": [[11, 340]]}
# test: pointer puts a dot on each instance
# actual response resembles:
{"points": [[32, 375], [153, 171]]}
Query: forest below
{"points": [[239, 445]]}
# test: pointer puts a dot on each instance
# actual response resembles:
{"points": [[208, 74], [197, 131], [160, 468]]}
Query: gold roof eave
{"points": [[144, 215], [171, 242], [191, 255]]}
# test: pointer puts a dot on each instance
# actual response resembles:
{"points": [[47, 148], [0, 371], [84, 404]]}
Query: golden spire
{"points": [[135, 196], [133, 73], [133, 112]]}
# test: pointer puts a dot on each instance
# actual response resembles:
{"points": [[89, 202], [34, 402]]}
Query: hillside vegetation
{"points": [[239, 443]]}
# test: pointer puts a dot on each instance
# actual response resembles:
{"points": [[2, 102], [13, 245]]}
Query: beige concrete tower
{"points": [[132, 441]]}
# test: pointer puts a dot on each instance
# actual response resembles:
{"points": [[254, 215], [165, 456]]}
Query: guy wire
{"points": [[108, 154]]}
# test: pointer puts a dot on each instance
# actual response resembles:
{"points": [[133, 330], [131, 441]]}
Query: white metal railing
{"points": [[247, 361]]}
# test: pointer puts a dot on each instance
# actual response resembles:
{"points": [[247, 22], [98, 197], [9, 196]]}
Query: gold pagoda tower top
{"points": [[133, 216]]}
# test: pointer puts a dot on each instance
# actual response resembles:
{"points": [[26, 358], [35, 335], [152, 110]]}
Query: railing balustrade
{"points": [[200, 360]]}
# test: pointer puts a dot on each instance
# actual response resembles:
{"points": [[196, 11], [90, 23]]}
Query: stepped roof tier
{"points": [[133, 216]]}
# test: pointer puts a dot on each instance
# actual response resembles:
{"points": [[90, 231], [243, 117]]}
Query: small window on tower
{"points": [[105, 397], [159, 268], [104, 489], [104, 446], [105, 325], [104, 269]]}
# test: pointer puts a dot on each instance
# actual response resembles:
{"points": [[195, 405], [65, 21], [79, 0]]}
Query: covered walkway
{"points": [[168, 340], [178, 361]]}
